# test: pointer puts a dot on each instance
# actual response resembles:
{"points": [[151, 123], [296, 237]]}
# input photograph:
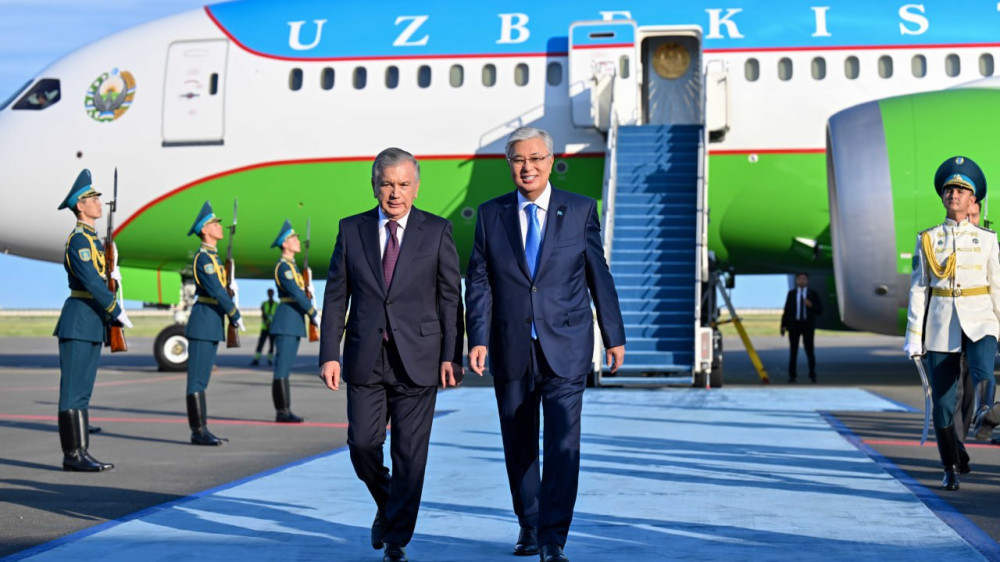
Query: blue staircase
{"points": [[653, 251]]}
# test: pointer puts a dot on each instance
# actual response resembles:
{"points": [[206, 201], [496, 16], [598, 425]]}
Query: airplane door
{"points": [[194, 93], [671, 72], [601, 68]]}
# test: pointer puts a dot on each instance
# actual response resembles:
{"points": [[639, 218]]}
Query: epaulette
{"points": [[986, 229], [927, 230]]}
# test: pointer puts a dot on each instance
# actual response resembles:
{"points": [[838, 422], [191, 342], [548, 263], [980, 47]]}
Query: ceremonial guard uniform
{"points": [[954, 302], [288, 325], [205, 327], [82, 329]]}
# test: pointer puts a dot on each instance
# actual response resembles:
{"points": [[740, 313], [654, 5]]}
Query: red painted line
{"points": [[105, 383], [327, 160], [738, 151], [915, 443], [855, 48], [606, 46], [373, 57], [179, 420]]}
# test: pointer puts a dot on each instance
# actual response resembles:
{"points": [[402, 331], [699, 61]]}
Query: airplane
{"points": [[823, 125]]}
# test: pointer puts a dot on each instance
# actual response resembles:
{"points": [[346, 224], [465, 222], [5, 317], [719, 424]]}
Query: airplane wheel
{"points": [[171, 349]]}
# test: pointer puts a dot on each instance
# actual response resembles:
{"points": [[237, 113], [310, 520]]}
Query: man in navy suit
{"points": [[802, 306], [536, 262], [398, 268]]}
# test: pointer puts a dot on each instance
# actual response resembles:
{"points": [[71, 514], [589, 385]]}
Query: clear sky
{"points": [[34, 33]]}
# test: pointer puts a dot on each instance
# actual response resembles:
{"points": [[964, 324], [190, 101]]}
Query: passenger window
{"points": [[553, 73], [295, 79], [785, 69], [521, 74], [919, 65], [852, 68], [456, 77], [424, 76], [952, 65], [885, 66], [360, 77], [326, 79], [986, 64], [489, 75], [392, 77], [43, 94], [751, 70], [819, 68]]}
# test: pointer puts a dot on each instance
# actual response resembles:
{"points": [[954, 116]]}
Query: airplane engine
{"points": [[881, 159]]}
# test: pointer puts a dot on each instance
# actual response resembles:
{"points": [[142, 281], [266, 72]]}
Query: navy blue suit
{"points": [[394, 377], [502, 300]]}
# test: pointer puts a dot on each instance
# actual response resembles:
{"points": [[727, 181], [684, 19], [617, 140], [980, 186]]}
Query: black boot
{"points": [[281, 394], [200, 435], [75, 440], [963, 459], [948, 449], [986, 419]]}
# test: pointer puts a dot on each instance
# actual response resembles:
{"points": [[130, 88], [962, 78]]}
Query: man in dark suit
{"points": [[802, 306], [536, 262], [398, 268]]}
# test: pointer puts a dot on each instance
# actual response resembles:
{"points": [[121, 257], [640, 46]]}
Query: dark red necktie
{"points": [[389, 262]]}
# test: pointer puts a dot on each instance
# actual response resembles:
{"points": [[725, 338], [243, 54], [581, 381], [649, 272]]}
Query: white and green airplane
{"points": [[826, 121]]}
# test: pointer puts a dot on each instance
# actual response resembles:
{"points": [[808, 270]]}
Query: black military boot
{"points": [[986, 419], [200, 435], [281, 394], [963, 459], [948, 449], [74, 439], [85, 414]]}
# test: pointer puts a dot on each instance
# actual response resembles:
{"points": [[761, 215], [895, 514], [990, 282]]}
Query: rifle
{"points": [[233, 332], [116, 332], [307, 278]]}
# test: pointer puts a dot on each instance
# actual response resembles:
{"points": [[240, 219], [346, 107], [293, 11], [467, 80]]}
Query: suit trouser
{"points": [[78, 370], [542, 499], [410, 411], [288, 348], [265, 335], [807, 334], [945, 371], [201, 359]]}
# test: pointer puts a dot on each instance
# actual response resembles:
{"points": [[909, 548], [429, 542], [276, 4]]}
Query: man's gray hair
{"points": [[392, 157], [525, 133]]}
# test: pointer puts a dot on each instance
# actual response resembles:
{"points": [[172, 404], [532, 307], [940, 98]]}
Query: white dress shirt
{"points": [[383, 234], [543, 207]]}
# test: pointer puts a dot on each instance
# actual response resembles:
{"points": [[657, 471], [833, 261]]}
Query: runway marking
{"points": [[734, 474], [103, 384], [172, 420], [915, 443]]}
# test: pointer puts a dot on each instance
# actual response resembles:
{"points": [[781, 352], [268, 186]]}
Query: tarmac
{"points": [[827, 471]]}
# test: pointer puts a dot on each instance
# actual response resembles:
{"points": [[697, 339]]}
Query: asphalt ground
{"points": [[145, 430]]}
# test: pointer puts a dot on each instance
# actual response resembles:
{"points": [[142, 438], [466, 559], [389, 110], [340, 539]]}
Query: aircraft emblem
{"points": [[110, 95]]}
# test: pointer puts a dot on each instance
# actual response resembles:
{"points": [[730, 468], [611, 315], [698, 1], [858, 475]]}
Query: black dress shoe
{"points": [[812, 377], [92, 429], [950, 481], [527, 542], [394, 553], [963, 462], [552, 553], [379, 527], [286, 416]]}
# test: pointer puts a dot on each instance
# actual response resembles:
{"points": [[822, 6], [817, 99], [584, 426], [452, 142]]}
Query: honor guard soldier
{"points": [[288, 325], [82, 325], [206, 324], [954, 301]]}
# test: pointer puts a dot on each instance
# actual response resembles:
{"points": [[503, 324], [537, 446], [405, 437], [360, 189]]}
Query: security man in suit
{"points": [[802, 306], [954, 300], [398, 268], [536, 263], [267, 310], [288, 325], [206, 325], [82, 324]]}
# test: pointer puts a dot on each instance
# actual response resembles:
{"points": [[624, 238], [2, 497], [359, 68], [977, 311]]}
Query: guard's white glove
{"points": [[913, 349], [236, 292], [240, 325], [312, 289], [123, 318], [117, 276], [315, 319]]}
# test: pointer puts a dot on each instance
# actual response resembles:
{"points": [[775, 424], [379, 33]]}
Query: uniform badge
{"points": [[85, 254], [209, 269], [959, 160], [289, 275], [975, 240]]}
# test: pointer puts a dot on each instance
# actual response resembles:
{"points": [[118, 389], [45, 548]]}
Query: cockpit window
{"points": [[13, 96], [44, 93]]}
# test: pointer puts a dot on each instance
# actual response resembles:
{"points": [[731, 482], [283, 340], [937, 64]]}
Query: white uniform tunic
{"points": [[976, 313]]}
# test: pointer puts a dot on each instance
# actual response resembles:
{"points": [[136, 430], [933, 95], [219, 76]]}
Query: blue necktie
{"points": [[532, 241]]}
